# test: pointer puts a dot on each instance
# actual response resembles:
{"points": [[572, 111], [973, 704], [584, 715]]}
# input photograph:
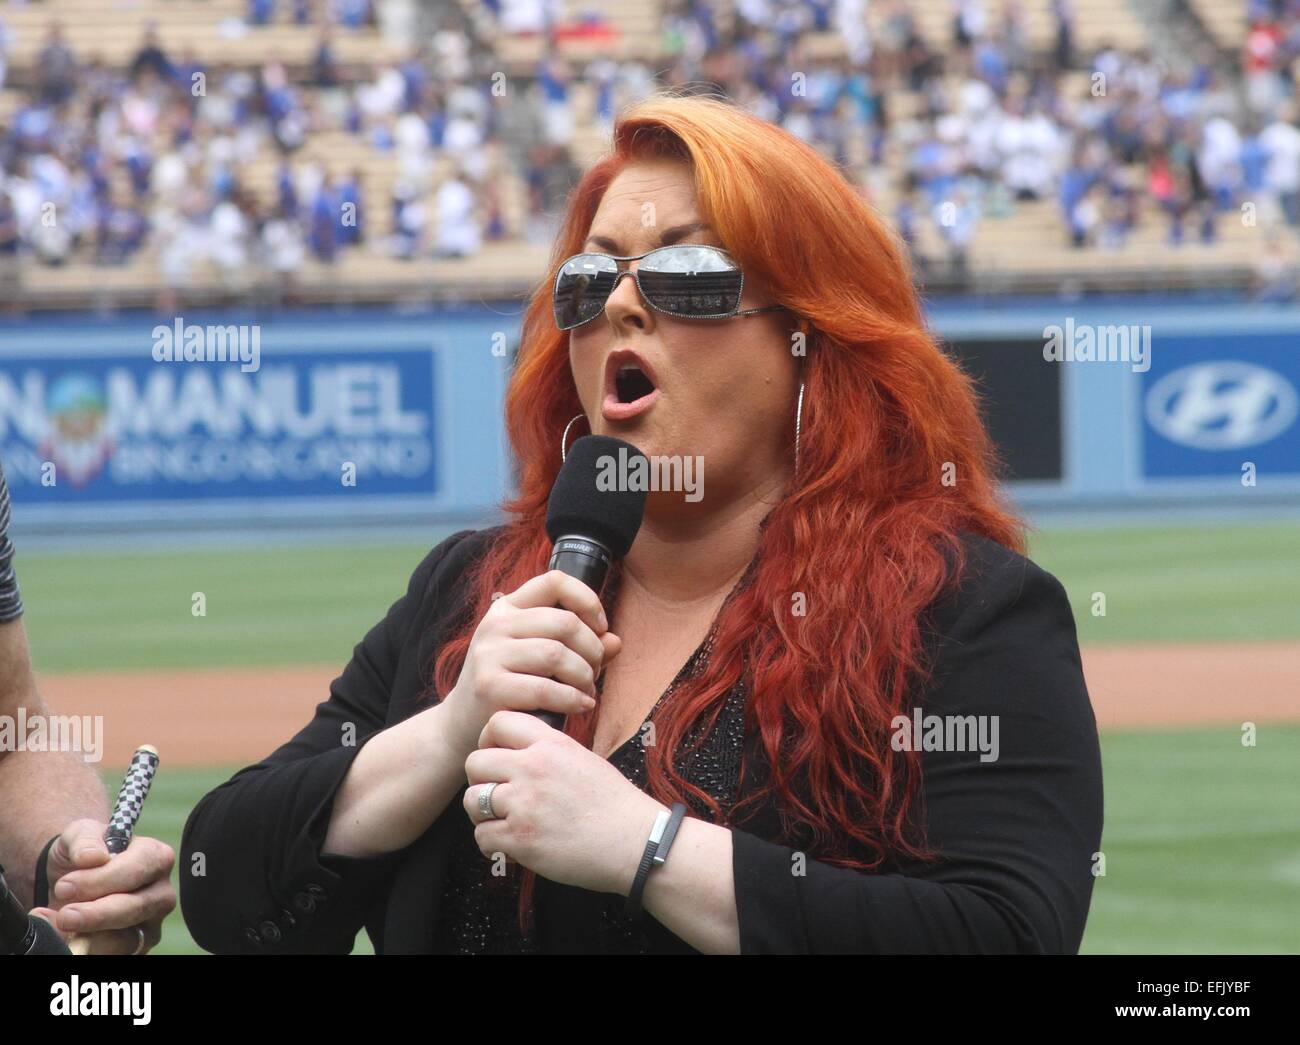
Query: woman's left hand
{"points": [[562, 810]]}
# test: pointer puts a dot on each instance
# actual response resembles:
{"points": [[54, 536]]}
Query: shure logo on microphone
{"points": [[651, 473], [101, 999]]}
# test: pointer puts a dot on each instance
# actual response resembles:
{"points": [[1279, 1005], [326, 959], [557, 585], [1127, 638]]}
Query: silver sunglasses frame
{"points": [[636, 278]]}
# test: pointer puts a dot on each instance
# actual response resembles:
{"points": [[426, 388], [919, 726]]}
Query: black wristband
{"points": [[656, 852], [41, 881]]}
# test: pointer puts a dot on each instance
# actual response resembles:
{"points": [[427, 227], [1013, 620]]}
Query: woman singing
{"points": [[862, 706]]}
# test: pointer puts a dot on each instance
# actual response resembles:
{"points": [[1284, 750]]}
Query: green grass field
{"points": [[1202, 837]]}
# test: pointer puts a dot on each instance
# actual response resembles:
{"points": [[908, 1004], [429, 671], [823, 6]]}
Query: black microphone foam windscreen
{"points": [[592, 497]]}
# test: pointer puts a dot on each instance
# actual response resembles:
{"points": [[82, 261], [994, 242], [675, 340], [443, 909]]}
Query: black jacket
{"points": [[1017, 834]]}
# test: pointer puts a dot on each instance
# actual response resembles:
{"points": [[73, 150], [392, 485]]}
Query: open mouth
{"points": [[630, 386], [631, 383]]}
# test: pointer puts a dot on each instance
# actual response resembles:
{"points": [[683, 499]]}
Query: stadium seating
{"points": [[1225, 22], [111, 30], [1028, 248]]}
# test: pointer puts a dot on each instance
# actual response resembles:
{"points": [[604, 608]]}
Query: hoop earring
{"points": [[798, 425], [564, 439]]}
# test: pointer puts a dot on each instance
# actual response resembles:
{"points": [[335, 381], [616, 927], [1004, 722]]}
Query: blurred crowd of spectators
{"points": [[153, 156], [110, 161], [1112, 139]]}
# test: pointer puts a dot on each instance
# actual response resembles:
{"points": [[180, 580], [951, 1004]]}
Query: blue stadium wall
{"points": [[96, 433]]}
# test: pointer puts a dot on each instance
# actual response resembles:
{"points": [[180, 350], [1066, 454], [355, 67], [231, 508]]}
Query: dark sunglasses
{"points": [[688, 280]]}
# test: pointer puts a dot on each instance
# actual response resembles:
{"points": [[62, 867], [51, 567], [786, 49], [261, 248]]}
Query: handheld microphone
{"points": [[23, 933], [590, 525]]}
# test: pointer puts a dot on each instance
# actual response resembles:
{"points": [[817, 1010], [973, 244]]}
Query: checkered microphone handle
{"points": [[130, 800]]}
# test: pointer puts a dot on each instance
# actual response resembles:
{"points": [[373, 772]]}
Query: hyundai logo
{"points": [[1222, 405]]}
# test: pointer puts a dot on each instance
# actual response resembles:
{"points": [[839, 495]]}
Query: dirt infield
{"points": [[239, 716]]}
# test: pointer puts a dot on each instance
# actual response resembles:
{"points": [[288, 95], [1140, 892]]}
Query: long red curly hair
{"points": [[894, 462]]}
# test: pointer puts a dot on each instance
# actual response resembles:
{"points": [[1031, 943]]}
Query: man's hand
{"points": [[108, 898]]}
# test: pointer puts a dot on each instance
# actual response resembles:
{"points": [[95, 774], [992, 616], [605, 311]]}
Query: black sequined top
{"points": [[478, 912]]}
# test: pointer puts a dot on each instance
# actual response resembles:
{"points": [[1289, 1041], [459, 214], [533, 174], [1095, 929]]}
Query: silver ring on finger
{"points": [[139, 947], [485, 802]]}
